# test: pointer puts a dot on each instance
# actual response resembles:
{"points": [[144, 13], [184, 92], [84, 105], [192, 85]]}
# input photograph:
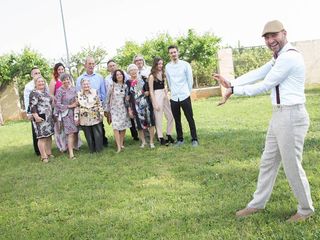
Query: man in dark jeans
{"points": [[180, 81]]}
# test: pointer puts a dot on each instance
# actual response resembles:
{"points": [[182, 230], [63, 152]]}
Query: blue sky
{"points": [[37, 23]]}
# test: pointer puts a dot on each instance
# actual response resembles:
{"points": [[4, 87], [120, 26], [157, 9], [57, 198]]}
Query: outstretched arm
{"points": [[225, 83], [222, 81], [226, 95]]}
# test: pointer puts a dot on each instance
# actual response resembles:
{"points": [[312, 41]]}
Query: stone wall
{"points": [[225, 64], [207, 92], [311, 53], [10, 104]]}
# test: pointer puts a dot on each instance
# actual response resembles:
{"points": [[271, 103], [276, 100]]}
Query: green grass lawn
{"points": [[162, 193]]}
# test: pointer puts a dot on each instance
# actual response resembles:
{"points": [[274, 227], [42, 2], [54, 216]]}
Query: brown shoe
{"points": [[247, 211], [299, 217]]}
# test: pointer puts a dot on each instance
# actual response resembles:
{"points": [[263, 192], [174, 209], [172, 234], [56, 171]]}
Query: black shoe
{"points": [[170, 139], [162, 141], [136, 138]]}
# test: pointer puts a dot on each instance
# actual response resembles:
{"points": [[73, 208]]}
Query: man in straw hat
{"points": [[284, 75]]}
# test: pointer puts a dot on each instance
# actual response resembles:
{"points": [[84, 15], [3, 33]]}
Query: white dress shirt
{"points": [[180, 80], [287, 71]]}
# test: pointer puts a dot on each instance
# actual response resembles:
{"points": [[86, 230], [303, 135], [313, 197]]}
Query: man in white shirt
{"points": [[180, 81], [284, 75], [29, 87]]}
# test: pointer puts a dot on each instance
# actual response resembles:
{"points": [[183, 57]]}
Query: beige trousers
{"points": [[284, 142], [164, 105]]}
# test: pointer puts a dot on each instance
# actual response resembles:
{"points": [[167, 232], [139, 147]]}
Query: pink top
{"points": [[57, 86]]}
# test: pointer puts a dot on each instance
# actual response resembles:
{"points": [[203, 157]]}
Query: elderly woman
{"points": [[40, 104], [89, 115], [115, 106], [139, 108], [65, 105]]}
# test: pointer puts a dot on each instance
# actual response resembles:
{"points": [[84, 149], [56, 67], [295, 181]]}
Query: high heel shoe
{"points": [[162, 141], [170, 139]]}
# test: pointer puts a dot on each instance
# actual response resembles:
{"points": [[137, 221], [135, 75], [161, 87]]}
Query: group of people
{"points": [[138, 100], [135, 99]]}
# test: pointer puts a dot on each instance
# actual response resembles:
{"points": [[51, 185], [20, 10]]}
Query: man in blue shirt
{"points": [[96, 82], [180, 81]]}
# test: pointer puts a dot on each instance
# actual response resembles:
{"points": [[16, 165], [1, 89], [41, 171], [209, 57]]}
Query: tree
{"points": [[17, 67], [198, 50], [78, 59], [6, 61], [201, 52], [246, 59], [125, 54], [157, 47]]}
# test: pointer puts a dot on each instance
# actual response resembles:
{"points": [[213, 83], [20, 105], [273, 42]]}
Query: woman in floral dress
{"points": [[65, 105], [40, 104], [140, 108], [115, 105]]}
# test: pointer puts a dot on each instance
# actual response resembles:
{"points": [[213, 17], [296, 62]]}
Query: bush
{"points": [[199, 50]]}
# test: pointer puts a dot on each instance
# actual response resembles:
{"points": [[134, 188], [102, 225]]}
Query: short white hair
{"points": [[131, 67]]}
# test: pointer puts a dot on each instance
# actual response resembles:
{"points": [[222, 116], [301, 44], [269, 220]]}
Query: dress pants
{"points": [[133, 130], [104, 138], [35, 141], [284, 142], [187, 109], [164, 105], [94, 136]]}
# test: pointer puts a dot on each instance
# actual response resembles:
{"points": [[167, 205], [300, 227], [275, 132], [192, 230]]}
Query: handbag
{"points": [[109, 118]]}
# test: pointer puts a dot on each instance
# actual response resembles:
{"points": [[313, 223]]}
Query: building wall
{"points": [[10, 104], [311, 53]]}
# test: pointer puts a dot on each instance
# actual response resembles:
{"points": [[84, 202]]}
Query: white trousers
{"points": [[164, 105], [284, 142]]}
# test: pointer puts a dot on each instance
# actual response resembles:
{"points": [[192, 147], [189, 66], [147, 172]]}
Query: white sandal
{"points": [[143, 145]]}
